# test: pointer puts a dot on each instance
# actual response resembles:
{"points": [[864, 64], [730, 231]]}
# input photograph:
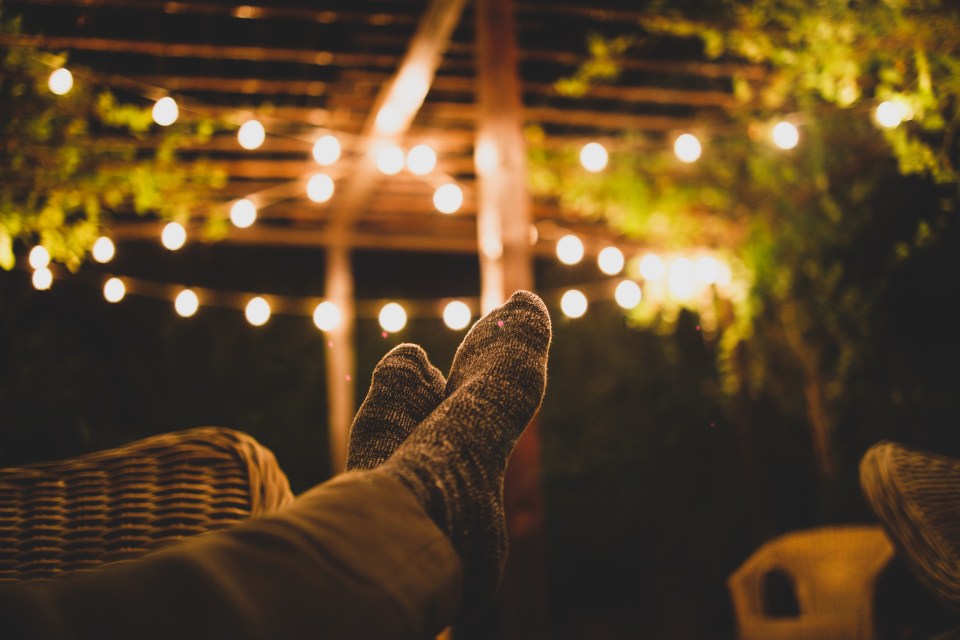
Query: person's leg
{"points": [[356, 557], [454, 462], [366, 555]]}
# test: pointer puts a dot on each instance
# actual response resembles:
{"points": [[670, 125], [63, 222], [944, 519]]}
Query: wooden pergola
{"points": [[464, 79]]}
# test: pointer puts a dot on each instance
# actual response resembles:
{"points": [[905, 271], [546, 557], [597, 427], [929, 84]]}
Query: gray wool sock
{"points": [[405, 389], [455, 460]]}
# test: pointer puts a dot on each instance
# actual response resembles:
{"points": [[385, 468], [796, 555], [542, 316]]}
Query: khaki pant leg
{"points": [[355, 557]]}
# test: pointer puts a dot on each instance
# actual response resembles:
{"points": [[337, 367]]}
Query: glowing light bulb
{"points": [[456, 315], [257, 311], [114, 290], [890, 113], [573, 303], [60, 81], [173, 236], [186, 303], [448, 198], [611, 261], [327, 316], [320, 188], [39, 257], [326, 150], [42, 279], [104, 250], [165, 111], [708, 270], [594, 157], [390, 160], [251, 134], [570, 249], [628, 294], [688, 148], [421, 160], [652, 267], [243, 213], [682, 282], [785, 135], [392, 317]]}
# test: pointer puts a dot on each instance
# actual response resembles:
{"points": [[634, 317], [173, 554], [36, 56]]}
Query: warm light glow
{"points": [[485, 156], [165, 111], [243, 213], [186, 303], [320, 188], [326, 150], [39, 257], [174, 236], [570, 249], [611, 261], [491, 243], [421, 160], [688, 148], [456, 315], [103, 249], [785, 135], [573, 304], [60, 82], [724, 274], [42, 279], [628, 294], [390, 159], [683, 279], [393, 318], [114, 290], [708, 270], [448, 198], [652, 267], [257, 311], [890, 113], [594, 157], [389, 120], [327, 316], [251, 134]]}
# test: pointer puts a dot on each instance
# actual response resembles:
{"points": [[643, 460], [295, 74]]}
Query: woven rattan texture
{"points": [[916, 495], [70, 515]]}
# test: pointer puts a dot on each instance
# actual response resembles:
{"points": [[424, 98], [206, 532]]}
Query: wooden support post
{"points": [[503, 208], [503, 227], [341, 356]]}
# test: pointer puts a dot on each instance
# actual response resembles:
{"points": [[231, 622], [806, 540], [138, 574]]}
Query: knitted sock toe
{"points": [[454, 462], [404, 390]]}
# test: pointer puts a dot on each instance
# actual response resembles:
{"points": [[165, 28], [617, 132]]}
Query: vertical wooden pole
{"points": [[341, 359], [503, 228], [503, 211]]}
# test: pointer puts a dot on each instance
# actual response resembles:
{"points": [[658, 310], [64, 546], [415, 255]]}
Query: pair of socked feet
{"points": [[448, 440]]}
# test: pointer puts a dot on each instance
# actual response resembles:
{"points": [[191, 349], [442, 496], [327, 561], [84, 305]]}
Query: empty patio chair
{"points": [[833, 571], [77, 514]]}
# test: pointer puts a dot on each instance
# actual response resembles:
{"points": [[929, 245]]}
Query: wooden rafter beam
{"points": [[242, 11], [450, 84], [162, 49]]}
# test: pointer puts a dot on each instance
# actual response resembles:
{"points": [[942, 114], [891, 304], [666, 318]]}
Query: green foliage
{"points": [[71, 163], [819, 229], [603, 65]]}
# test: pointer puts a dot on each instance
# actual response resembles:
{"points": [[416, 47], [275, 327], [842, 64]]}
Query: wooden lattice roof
{"points": [[307, 67]]}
